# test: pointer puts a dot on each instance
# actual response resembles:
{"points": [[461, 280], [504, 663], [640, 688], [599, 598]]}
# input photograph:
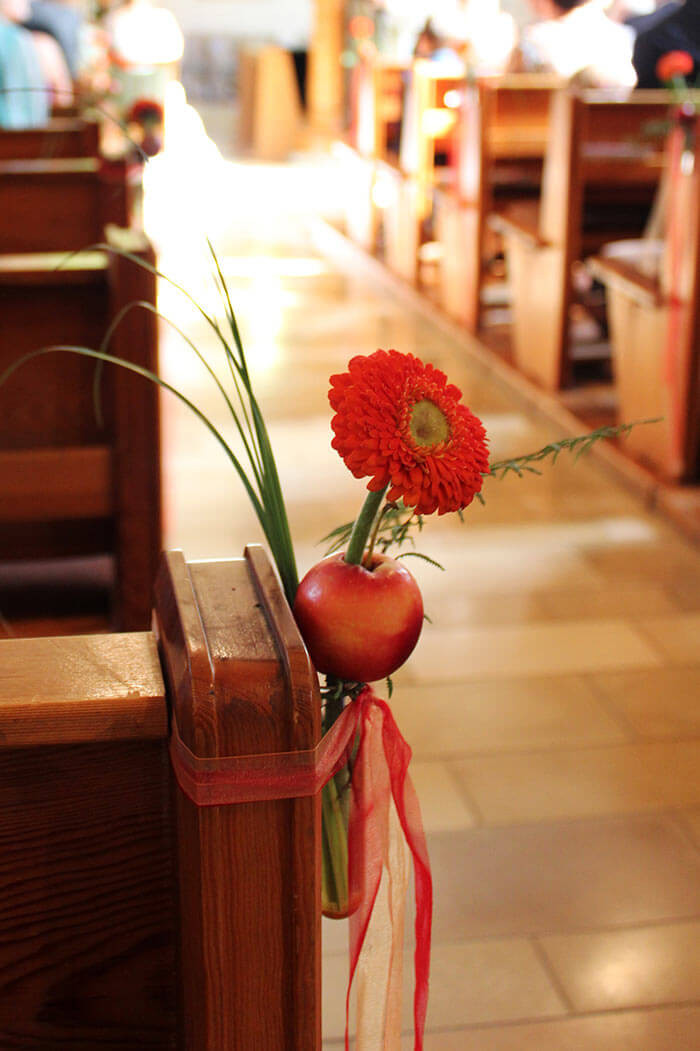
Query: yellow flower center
{"points": [[428, 423]]}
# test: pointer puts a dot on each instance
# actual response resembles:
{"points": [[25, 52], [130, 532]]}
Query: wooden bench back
{"points": [[500, 142], [601, 171], [70, 486], [502, 124], [377, 106], [61, 205], [61, 137], [655, 325], [430, 119], [133, 918], [600, 150]]}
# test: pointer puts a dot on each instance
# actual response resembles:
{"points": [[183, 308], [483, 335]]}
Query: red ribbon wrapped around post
{"points": [[379, 777]]}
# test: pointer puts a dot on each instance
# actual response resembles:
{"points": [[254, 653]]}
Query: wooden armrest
{"points": [[81, 689], [627, 278], [510, 226]]}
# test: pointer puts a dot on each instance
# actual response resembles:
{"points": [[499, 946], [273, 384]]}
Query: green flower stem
{"points": [[363, 526], [336, 835]]}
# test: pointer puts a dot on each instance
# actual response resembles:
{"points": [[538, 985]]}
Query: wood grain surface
{"points": [[249, 873]]}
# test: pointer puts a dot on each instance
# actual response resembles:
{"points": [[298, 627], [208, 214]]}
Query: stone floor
{"points": [[553, 703]]}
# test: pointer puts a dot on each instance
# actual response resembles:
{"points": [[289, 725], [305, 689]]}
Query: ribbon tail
{"points": [[398, 756], [380, 778]]}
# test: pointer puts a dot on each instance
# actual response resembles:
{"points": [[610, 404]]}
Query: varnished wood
{"points": [[599, 177], [248, 873], [500, 141], [136, 478], [377, 105], [654, 378], [80, 690], [89, 911], [61, 204], [68, 474], [270, 105], [86, 870], [61, 137], [45, 484]]}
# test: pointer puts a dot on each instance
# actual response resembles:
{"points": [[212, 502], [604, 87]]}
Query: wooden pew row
{"points": [[427, 148], [132, 918], [69, 487], [378, 90], [377, 103], [601, 171], [62, 137], [655, 330], [62, 204], [500, 143]]}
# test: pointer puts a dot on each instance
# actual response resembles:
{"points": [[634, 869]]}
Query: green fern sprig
{"points": [[579, 445]]}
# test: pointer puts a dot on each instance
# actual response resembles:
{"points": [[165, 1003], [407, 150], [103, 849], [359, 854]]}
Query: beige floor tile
{"points": [[631, 968], [562, 876], [617, 779], [658, 702], [503, 715], [678, 638], [471, 982], [442, 804], [663, 1029], [624, 601], [530, 649]]}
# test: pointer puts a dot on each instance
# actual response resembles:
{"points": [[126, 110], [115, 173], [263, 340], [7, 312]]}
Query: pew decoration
{"points": [[672, 70], [144, 120], [400, 423]]}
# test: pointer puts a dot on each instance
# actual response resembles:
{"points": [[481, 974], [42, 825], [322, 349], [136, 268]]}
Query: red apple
{"points": [[359, 623]]}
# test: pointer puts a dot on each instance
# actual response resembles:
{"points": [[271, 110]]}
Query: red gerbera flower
{"points": [[400, 423], [674, 64]]}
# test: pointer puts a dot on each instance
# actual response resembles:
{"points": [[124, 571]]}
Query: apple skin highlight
{"points": [[359, 624]]}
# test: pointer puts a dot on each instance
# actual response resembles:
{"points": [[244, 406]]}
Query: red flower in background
{"points": [[145, 111], [400, 423], [674, 64]]}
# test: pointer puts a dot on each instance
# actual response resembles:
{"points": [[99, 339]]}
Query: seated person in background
{"points": [[33, 71], [576, 39], [483, 34], [677, 31], [430, 44], [62, 22]]}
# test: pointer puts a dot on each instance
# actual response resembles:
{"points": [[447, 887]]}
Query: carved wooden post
{"points": [[249, 873]]}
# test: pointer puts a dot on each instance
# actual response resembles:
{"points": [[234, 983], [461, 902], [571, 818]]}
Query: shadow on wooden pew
{"points": [[655, 329], [71, 488], [600, 174], [131, 917]]}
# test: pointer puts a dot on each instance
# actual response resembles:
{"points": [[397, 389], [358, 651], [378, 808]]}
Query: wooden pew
{"points": [[132, 918], [60, 138], [378, 89], [377, 104], [427, 146], [62, 204], [655, 330], [600, 174], [500, 143], [70, 488]]}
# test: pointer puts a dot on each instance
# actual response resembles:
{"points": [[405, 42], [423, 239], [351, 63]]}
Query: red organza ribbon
{"points": [[379, 776]]}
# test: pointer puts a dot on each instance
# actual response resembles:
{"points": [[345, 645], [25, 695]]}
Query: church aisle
{"points": [[553, 703]]}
